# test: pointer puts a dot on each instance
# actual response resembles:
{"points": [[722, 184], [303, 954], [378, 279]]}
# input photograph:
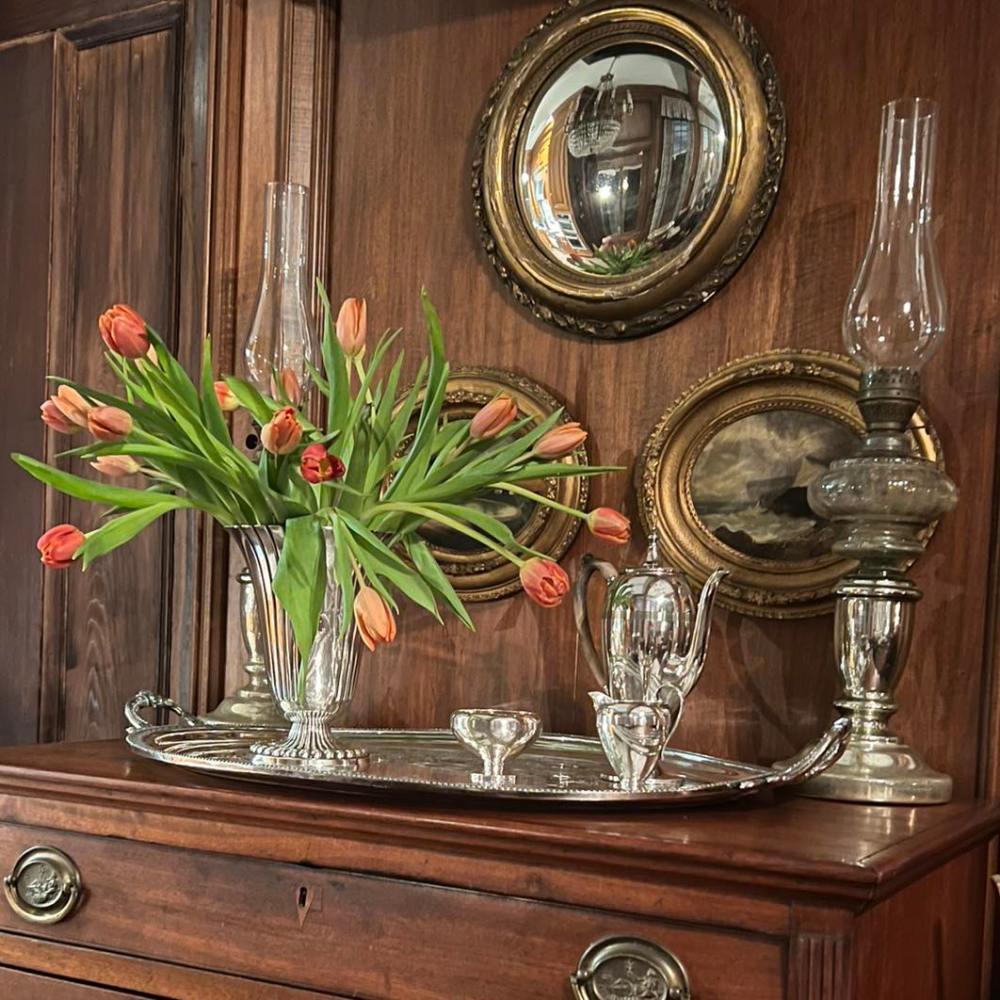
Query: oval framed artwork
{"points": [[477, 573], [723, 478]]}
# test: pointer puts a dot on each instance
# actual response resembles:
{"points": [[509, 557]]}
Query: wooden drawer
{"points": [[360, 935], [28, 986]]}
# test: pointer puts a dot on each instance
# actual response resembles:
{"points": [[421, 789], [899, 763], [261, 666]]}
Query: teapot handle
{"points": [[588, 566]]}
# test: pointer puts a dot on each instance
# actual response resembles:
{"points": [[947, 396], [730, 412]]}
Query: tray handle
{"points": [[813, 759], [150, 699]]}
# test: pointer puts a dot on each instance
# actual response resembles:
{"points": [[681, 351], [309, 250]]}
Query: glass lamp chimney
{"points": [[282, 337], [895, 315]]}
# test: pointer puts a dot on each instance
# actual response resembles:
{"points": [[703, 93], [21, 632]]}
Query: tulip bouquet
{"points": [[379, 466]]}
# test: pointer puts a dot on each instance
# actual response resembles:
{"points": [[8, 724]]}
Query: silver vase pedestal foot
{"points": [[309, 741]]}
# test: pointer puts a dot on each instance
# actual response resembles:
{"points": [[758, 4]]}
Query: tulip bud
{"points": [[71, 405], [52, 417], [544, 581], [376, 624], [152, 357], [115, 466], [560, 441], [493, 418], [352, 326], [124, 332], [227, 400], [282, 433], [108, 423], [319, 466], [609, 524], [59, 544]]}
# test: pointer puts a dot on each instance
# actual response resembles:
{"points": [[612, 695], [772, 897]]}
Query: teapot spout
{"points": [[695, 660]]}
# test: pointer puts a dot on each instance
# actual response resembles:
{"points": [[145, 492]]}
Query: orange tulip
{"points": [[108, 423], [319, 466], [52, 417], [376, 624], [609, 524], [227, 401], [544, 581], [59, 544], [114, 466], [124, 332], [352, 326], [560, 441], [492, 418], [282, 433], [71, 405]]}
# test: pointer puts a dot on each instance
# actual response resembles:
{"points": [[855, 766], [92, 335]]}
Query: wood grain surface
{"points": [[410, 87]]}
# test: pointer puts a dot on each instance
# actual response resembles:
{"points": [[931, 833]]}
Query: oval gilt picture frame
{"points": [[477, 573], [723, 477]]}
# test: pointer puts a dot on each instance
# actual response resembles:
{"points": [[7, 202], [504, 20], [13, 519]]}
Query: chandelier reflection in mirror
{"points": [[594, 124], [622, 158]]}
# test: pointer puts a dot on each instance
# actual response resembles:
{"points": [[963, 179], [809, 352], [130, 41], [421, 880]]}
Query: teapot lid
{"points": [[651, 565]]}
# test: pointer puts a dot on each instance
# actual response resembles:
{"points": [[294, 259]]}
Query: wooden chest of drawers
{"points": [[194, 887]]}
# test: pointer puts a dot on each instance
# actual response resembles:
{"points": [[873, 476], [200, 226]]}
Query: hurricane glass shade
{"points": [[281, 335], [896, 312]]}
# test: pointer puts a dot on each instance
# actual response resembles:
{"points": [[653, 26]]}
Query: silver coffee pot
{"points": [[653, 635]]}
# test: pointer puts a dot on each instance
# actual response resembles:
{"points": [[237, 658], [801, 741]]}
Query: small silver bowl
{"points": [[496, 735]]}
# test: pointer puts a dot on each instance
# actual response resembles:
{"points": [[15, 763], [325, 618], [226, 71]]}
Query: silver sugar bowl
{"points": [[653, 633]]}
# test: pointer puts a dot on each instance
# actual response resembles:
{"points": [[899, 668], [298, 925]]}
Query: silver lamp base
{"points": [[883, 771], [247, 707], [253, 704]]}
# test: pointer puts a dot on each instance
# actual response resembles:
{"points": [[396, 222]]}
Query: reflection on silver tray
{"points": [[567, 769]]}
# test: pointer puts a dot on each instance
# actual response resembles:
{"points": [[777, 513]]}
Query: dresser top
{"points": [[854, 852]]}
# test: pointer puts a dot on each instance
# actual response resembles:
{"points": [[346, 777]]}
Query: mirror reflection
{"points": [[622, 158]]}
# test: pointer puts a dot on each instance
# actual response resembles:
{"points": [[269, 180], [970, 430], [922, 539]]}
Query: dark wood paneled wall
{"points": [[410, 87], [102, 204]]}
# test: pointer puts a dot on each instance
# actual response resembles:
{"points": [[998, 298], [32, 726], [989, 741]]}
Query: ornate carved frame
{"points": [[715, 36]]}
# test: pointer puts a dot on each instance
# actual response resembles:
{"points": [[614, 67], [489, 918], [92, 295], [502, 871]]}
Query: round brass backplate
{"points": [[44, 886], [629, 967]]}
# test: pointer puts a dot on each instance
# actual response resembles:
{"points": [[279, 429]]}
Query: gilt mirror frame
{"points": [[719, 41]]}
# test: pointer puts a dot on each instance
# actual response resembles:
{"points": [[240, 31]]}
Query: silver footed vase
{"points": [[310, 695]]}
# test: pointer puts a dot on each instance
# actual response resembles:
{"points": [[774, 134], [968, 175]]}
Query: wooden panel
{"points": [[28, 986], [25, 126], [356, 934], [125, 972], [926, 941], [121, 239], [404, 132]]}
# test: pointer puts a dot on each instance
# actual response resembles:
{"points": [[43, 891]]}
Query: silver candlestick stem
{"points": [[883, 499], [253, 704]]}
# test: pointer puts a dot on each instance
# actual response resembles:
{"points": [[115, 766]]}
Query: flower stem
{"points": [[449, 522], [538, 498]]}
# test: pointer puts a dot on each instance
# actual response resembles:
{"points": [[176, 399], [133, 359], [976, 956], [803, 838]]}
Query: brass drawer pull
{"points": [[629, 967], [44, 886]]}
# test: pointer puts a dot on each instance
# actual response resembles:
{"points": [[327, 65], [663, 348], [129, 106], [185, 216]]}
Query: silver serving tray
{"points": [[565, 769]]}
